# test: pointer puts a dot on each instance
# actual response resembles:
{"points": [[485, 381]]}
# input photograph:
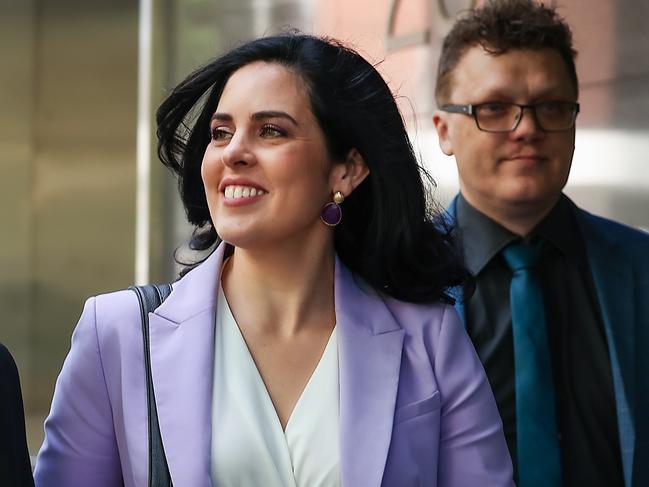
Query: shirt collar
{"points": [[483, 238], [560, 229]]}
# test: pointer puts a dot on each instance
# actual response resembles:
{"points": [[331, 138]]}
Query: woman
{"points": [[313, 346]]}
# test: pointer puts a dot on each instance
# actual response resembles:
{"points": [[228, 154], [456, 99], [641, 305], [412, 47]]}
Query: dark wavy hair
{"points": [[502, 25], [390, 234]]}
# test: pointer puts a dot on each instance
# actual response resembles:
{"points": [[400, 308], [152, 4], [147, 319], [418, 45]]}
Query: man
{"points": [[560, 313], [15, 469]]}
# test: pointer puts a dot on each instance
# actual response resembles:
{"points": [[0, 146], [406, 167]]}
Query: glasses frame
{"points": [[471, 110]]}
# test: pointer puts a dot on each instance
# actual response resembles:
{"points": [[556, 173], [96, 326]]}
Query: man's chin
{"points": [[531, 200]]}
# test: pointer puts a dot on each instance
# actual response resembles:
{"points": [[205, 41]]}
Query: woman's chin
{"points": [[239, 239]]}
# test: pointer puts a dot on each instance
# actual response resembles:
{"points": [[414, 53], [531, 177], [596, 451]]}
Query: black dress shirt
{"points": [[585, 400]]}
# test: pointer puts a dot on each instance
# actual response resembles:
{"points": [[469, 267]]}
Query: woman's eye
{"points": [[219, 133], [271, 131]]}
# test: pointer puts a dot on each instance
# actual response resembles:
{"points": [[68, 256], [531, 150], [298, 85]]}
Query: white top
{"points": [[249, 447]]}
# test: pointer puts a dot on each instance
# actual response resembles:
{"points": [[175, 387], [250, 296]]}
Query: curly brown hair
{"points": [[502, 25]]}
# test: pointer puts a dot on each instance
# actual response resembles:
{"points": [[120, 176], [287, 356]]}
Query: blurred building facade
{"points": [[69, 119]]}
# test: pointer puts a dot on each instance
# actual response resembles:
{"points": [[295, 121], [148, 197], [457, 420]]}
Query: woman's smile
{"points": [[235, 195]]}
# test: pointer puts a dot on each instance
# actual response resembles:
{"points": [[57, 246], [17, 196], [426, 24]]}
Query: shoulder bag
{"points": [[150, 297]]}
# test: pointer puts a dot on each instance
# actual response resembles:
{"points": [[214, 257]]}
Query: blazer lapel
{"points": [[182, 357], [613, 278], [182, 350], [371, 344]]}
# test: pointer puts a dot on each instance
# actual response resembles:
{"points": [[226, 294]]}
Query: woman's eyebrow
{"points": [[226, 117], [222, 117], [273, 114]]}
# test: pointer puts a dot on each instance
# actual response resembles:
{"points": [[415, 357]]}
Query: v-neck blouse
{"points": [[249, 446]]}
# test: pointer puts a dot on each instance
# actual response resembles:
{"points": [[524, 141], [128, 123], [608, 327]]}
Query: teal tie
{"points": [[539, 462]]}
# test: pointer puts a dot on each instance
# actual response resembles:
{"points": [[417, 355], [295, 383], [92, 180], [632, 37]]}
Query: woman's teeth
{"points": [[234, 192]]}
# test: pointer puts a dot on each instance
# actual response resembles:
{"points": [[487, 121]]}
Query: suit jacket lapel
{"points": [[370, 344], [452, 210], [613, 278], [182, 358], [456, 292]]}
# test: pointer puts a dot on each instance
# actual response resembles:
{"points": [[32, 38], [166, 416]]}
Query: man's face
{"points": [[515, 172]]}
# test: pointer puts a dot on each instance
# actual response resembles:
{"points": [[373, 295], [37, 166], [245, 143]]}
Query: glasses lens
{"points": [[552, 116], [555, 115], [497, 117]]}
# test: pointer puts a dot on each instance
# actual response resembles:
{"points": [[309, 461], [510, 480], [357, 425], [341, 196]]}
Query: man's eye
{"points": [[218, 133], [551, 107], [271, 131], [493, 108]]}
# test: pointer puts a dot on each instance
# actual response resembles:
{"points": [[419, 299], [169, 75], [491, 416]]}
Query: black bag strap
{"points": [[150, 297]]}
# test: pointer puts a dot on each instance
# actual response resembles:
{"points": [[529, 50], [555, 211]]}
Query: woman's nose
{"points": [[238, 151]]}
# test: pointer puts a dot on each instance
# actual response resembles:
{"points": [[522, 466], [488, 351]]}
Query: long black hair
{"points": [[390, 234]]}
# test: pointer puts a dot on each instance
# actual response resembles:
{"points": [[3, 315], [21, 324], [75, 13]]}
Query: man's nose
{"points": [[527, 123]]}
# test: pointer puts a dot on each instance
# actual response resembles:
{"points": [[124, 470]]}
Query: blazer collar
{"points": [[371, 343], [196, 291], [182, 357], [182, 366]]}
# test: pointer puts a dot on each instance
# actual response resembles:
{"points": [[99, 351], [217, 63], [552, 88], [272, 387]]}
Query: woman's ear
{"points": [[347, 175]]}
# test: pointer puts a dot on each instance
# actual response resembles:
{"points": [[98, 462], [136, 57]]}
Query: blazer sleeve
{"points": [[80, 448], [472, 447]]}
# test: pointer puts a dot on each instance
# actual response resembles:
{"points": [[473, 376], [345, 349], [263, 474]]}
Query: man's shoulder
{"points": [[595, 226], [606, 238]]}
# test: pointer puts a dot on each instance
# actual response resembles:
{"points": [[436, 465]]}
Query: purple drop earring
{"points": [[331, 213]]}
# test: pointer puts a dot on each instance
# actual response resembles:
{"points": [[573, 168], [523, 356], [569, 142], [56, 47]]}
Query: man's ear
{"points": [[441, 124], [347, 175]]}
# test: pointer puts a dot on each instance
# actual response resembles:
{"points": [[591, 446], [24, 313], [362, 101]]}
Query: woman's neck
{"points": [[282, 288]]}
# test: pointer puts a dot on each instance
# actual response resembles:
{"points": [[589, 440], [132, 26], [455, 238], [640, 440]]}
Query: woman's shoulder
{"points": [[110, 317], [427, 318], [421, 322], [432, 328], [114, 307]]}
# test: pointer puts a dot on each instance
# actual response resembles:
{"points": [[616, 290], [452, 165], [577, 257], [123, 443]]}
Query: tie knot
{"points": [[520, 256]]}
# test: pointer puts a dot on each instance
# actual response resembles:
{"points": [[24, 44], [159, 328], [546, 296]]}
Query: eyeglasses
{"points": [[499, 117]]}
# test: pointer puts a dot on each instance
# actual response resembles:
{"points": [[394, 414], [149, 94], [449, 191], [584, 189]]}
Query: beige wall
{"points": [[67, 138]]}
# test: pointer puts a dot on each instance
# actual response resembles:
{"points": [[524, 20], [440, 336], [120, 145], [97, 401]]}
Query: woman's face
{"points": [[266, 170]]}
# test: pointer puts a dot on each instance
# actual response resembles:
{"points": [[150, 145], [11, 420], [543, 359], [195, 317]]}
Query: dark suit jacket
{"points": [[15, 469], [619, 261]]}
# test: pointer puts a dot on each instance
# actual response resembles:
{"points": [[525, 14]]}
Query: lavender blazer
{"points": [[415, 406]]}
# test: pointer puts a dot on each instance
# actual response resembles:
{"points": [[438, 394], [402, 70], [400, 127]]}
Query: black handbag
{"points": [[150, 297]]}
